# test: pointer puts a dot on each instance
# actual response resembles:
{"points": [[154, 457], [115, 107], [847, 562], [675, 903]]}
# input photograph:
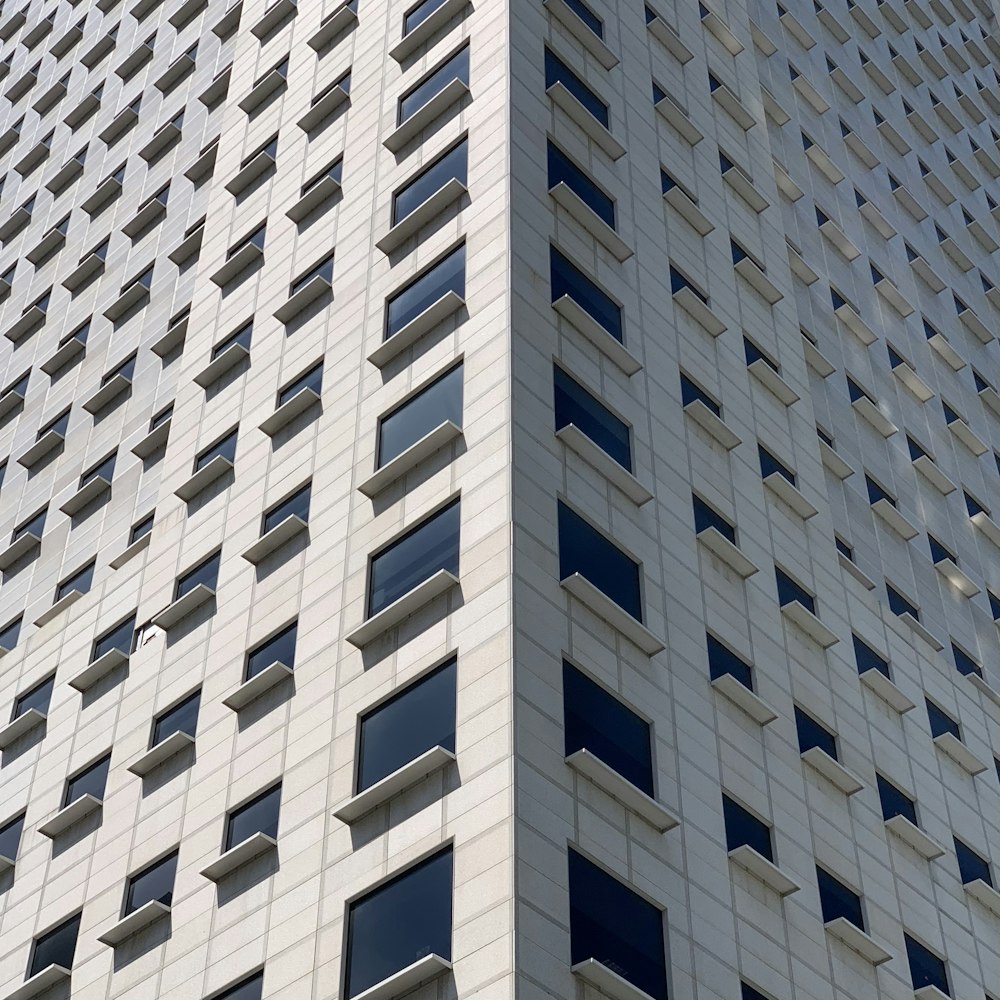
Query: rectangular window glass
{"points": [[419, 13], [706, 517], [691, 393], [259, 815], [743, 828], [722, 660], [280, 648], [248, 989], [894, 801], [206, 573], [9, 634], [104, 469], [56, 426], [567, 279], [612, 924], [813, 734], [769, 465], [417, 719], [155, 883], [455, 68], [225, 448], [241, 337], [182, 718], [867, 659], [926, 969], [589, 18], [447, 275], [141, 529], [597, 721], [789, 592], [37, 698], [55, 947], [399, 923], [971, 866], [575, 405], [453, 165], [556, 71], [562, 170], [837, 900], [420, 414], [964, 663], [80, 581], [899, 605], [296, 505], [312, 379], [426, 549], [322, 270], [90, 781], [33, 526], [335, 172], [940, 722], [10, 837], [120, 638], [126, 369]]}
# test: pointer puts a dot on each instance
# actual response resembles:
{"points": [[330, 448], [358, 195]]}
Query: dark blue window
{"points": [[423, 551], [9, 634], [259, 815], [894, 801], [556, 71], [926, 969], [813, 734], [119, 637], [973, 506], [706, 517], [570, 280], [400, 922], [562, 170], [867, 659], [589, 18], [248, 989], [575, 405], [105, 468], [140, 529], [584, 550], [452, 165], [899, 605], [941, 722], [691, 393], [280, 648], [55, 947], [155, 883], [447, 275], [417, 719], [743, 828], [33, 525], [297, 505], [915, 450], [597, 721], [90, 781], [10, 837], [206, 572], [964, 663], [419, 13], [678, 282], [455, 68], [182, 718], [722, 660], [612, 924], [971, 866], [37, 698], [769, 464], [789, 592], [312, 379], [994, 605], [241, 337], [420, 414], [226, 448], [837, 900], [749, 993]]}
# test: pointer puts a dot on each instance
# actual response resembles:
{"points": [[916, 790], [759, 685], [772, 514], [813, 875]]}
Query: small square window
{"points": [[182, 718], [55, 947], [838, 900], [10, 837], [206, 573], [744, 829], [894, 801], [280, 648], [38, 698], [153, 884], [259, 815], [926, 969], [90, 781], [120, 637]]}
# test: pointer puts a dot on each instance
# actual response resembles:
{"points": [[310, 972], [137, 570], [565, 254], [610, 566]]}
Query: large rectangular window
{"points": [[813, 734], [400, 922], [447, 275], [556, 71], [452, 165], [722, 660], [280, 648], [597, 721], [614, 925], [838, 900], [575, 405], [119, 637], [567, 279], [971, 866], [297, 505], [454, 68], [894, 801], [259, 815], [867, 659], [744, 829], [80, 581], [417, 719], [153, 883], [182, 718], [419, 13], [941, 722], [562, 170], [37, 698], [225, 447], [55, 947], [789, 592], [424, 550], [420, 414], [90, 781], [926, 969], [205, 573], [584, 550]]}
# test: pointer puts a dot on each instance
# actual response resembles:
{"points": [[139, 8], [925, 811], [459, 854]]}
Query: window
{"points": [[420, 414], [259, 815], [119, 637], [399, 923], [838, 901], [899, 605], [225, 447], [589, 18], [722, 660], [56, 426], [867, 659], [33, 526], [126, 370], [297, 505], [575, 405], [335, 172], [562, 170], [614, 925], [10, 837], [241, 337], [926, 969], [322, 270], [456, 67], [556, 71], [312, 379], [447, 275], [744, 829], [964, 663], [205, 573], [814, 734], [894, 801], [749, 993], [597, 721], [789, 592], [140, 529], [37, 698], [255, 239], [692, 393], [971, 866], [80, 581], [280, 648], [182, 718], [769, 465], [158, 419], [569, 280], [706, 517], [419, 13], [941, 722], [9, 634], [153, 884], [452, 165], [584, 550], [90, 781], [424, 550], [55, 947], [417, 719], [103, 470], [247, 989]]}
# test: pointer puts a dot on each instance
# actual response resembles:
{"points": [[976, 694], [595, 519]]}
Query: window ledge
{"points": [[406, 980], [430, 443], [595, 131], [768, 873], [422, 215], [180, 17], [894, 519], [173, 338], [949, 355], [289, 410], [132, 550], [241, 854], [987, 526], [153, 441], [797, 613], [108, 392], [86, 495], [175, 612], [331, 27], [19, 548], [712, 424], [315, 288], [218, 367], [981, 891], [743, 184], [729, 102], [852, 567], [808, 276], [587, 38], [759, 281], [58, 607], [426, 30], [164, 137], [930, 993], [740, 695], [615, 615], [204, 477], [606, 981], [271, 84], [985, 688], [44, 446], [667, 36], [406, 336], [321, 192], [968, 437], [397, 612], [790, 495], [915, 626], [618, 787], [9, 402], [717, 543], [832, 770], [599, 337], [144, 218], [834, 462], [563, 195], [951, 571], [930, 470], [687, 208], [323, 108], [239, 262], [577, 441], [21, 726], [699, 311], [770, 379], [136, 921], [270, 677], [68, 816], [678, 119], [908, 376], [856, 939], [951, 745], [163, 751], [879, 684], [268, 543], [28, 321], [425, 116], [853, 321], [48, 979], [94, 671], [388, 787], [912, 835], [865, 408]]}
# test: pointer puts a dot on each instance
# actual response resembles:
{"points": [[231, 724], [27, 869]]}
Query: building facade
{"points": [[498, 500]]}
